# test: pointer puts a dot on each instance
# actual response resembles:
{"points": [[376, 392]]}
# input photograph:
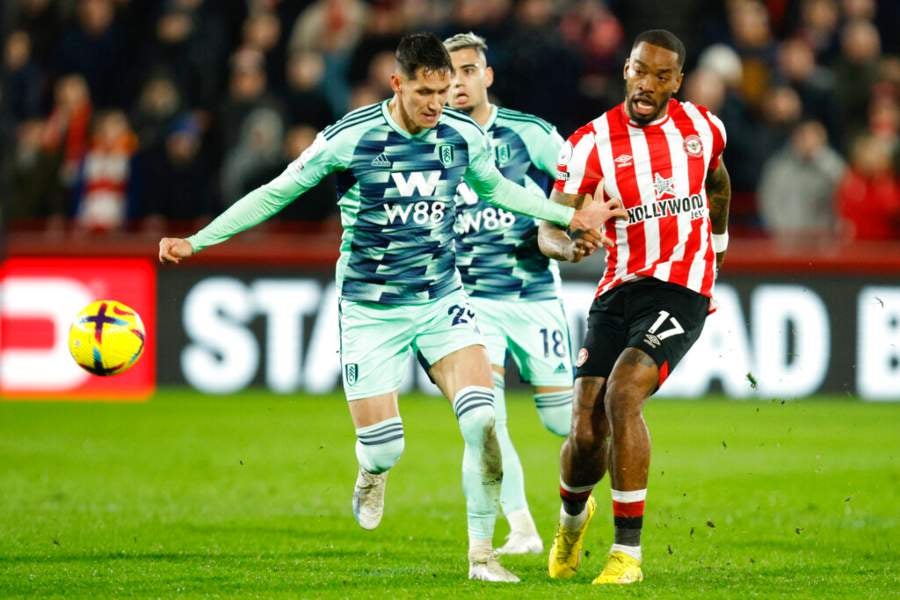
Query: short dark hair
{"points": [[664, 39], [422, 50]]}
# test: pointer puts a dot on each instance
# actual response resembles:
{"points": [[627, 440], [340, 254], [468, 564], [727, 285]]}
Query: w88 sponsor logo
{"points": [[488, 219], [420, 213]]}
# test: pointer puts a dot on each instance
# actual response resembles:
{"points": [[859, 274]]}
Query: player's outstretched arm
{"points": [[173, 250], [555, 242], [718, 191]]}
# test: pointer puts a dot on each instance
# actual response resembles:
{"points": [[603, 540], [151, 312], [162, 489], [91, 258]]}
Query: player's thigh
{"points": [[664, 321], [539, 343], [451, 346], [375, 347], [489, 318], [604, 338]]}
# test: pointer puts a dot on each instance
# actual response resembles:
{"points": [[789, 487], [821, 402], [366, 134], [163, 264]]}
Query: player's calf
{"points": [[482, 477]]}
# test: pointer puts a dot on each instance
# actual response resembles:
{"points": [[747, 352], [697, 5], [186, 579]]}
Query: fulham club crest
{"points": [[693, 146]]}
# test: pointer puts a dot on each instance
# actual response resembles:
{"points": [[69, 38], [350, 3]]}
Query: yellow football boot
{"points": [[565, 553], [620, 569]]}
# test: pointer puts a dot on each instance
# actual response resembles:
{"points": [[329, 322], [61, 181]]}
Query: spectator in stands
{"points": [[22, 79], [535, 45], [94, 47], [796, 190], [65, 133], [855, 73], [752, 39], [175, 178], [247, 91], [333, 28], [818, 27], [597, 35], [42, 20], [385, 25], [257, 153], [34, 194], [815, 85], [157, 106], [859, 9], [103, 200], [706, 88], [868, 198], [180, 50], [723, 62], [379, 74], [363, 95], [262, 32], [305, 101]]}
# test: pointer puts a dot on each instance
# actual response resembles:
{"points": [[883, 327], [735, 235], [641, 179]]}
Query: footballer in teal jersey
{"points": [[513, 287], [398, 165], [497, 251]]}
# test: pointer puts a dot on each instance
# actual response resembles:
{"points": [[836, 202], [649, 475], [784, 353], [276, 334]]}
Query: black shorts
{"points": [[662, 319]]}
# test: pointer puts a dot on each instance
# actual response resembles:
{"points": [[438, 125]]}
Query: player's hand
{"points": [[720, 260], [593, 215], [173, 250], [584, 243]]}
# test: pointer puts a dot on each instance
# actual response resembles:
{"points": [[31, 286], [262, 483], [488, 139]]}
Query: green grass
{"points": [[249, 496]]}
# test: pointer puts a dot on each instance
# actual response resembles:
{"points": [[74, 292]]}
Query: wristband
{"points": [[720, 242]]}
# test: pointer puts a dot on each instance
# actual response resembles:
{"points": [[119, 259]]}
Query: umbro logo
{"points": [[381, 161], [623, 160]]}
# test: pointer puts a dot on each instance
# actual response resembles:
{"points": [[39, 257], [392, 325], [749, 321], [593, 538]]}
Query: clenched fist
{"points": [[173, 250]]}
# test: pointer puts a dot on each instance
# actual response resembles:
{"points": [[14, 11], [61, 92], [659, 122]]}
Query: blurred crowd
{"points": [[134, 114]]}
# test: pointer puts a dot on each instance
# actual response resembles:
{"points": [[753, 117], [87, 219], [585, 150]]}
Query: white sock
{"points": [[520, 521], [572, 522], [632, 551]]}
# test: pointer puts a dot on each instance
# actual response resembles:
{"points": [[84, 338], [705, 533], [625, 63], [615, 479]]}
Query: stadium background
{"points": [[122, 120], [133, 119]]}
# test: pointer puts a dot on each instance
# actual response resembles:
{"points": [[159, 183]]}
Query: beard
{"points": [[644, 119]]}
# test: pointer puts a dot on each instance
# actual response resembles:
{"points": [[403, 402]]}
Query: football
{"points": [[106, 337]]}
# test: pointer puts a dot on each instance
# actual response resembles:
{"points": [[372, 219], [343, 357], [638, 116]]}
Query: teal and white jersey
{"points": [[497, 250], [396, 195]]}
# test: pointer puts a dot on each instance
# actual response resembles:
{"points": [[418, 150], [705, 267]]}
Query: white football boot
{"points": [[485, 567], [521, 542], [368, 498]]}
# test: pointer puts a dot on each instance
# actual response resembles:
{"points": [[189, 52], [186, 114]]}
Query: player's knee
{"points": [[379, 446], [555, 411], [474, 408]]}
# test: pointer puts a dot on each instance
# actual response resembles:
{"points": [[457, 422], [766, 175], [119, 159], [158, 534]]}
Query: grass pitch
{"points": [[249, 496]]}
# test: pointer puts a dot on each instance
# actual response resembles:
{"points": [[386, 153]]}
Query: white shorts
{"points": [[536, 334]]}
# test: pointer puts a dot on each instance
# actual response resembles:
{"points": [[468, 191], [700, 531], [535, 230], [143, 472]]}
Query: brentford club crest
{"points": [[693, 145]]}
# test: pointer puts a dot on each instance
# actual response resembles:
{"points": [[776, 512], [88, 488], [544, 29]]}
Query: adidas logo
{"points": [[381, 161], [562, 368]]}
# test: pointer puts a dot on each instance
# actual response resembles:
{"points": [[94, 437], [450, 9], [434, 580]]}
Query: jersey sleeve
{"points": [[720, 137], [489, 184], [543, 143], [317, 161], [578, 164]]}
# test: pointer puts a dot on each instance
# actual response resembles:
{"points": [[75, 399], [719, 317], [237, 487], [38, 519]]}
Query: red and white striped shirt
{"points": [[658, 172]]}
